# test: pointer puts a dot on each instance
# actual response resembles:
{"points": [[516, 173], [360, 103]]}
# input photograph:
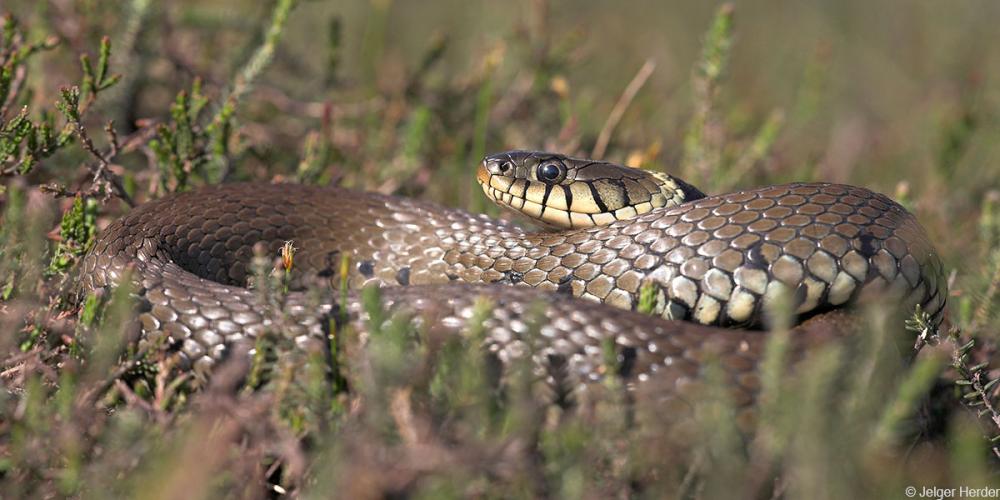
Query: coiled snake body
{"points": [[715, 260]]}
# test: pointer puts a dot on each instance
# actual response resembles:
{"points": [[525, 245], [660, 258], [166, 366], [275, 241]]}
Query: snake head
{"points": [[560, 191]]}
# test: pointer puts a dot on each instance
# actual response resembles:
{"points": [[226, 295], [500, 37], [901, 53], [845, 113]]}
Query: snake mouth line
{"points": [[546, 214], [503, 198]]}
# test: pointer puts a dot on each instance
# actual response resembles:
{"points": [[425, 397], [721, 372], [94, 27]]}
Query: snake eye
{"points": [[550, 172]]}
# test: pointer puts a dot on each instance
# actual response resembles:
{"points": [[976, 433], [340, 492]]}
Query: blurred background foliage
{"points": [[405, 97]]}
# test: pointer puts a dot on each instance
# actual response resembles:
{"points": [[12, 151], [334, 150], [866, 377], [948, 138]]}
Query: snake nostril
{"points": [[504, 167]]}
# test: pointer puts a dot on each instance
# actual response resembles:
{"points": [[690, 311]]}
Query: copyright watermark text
{"points": [[959, 492]]}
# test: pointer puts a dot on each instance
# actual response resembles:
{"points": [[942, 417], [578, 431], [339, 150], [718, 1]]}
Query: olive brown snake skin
{"points": [[715, 260]]}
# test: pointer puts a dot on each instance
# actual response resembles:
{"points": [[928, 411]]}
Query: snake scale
{"points": [[716, 261]]}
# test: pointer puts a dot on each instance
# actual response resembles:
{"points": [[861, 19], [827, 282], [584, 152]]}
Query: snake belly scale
{"points": [[716, 260]]}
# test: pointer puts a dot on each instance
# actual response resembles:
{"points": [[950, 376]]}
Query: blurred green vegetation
{"points": [[405, 98]]}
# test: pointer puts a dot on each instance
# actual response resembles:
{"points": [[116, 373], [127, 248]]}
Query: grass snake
{"points": [[717, 262]]}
